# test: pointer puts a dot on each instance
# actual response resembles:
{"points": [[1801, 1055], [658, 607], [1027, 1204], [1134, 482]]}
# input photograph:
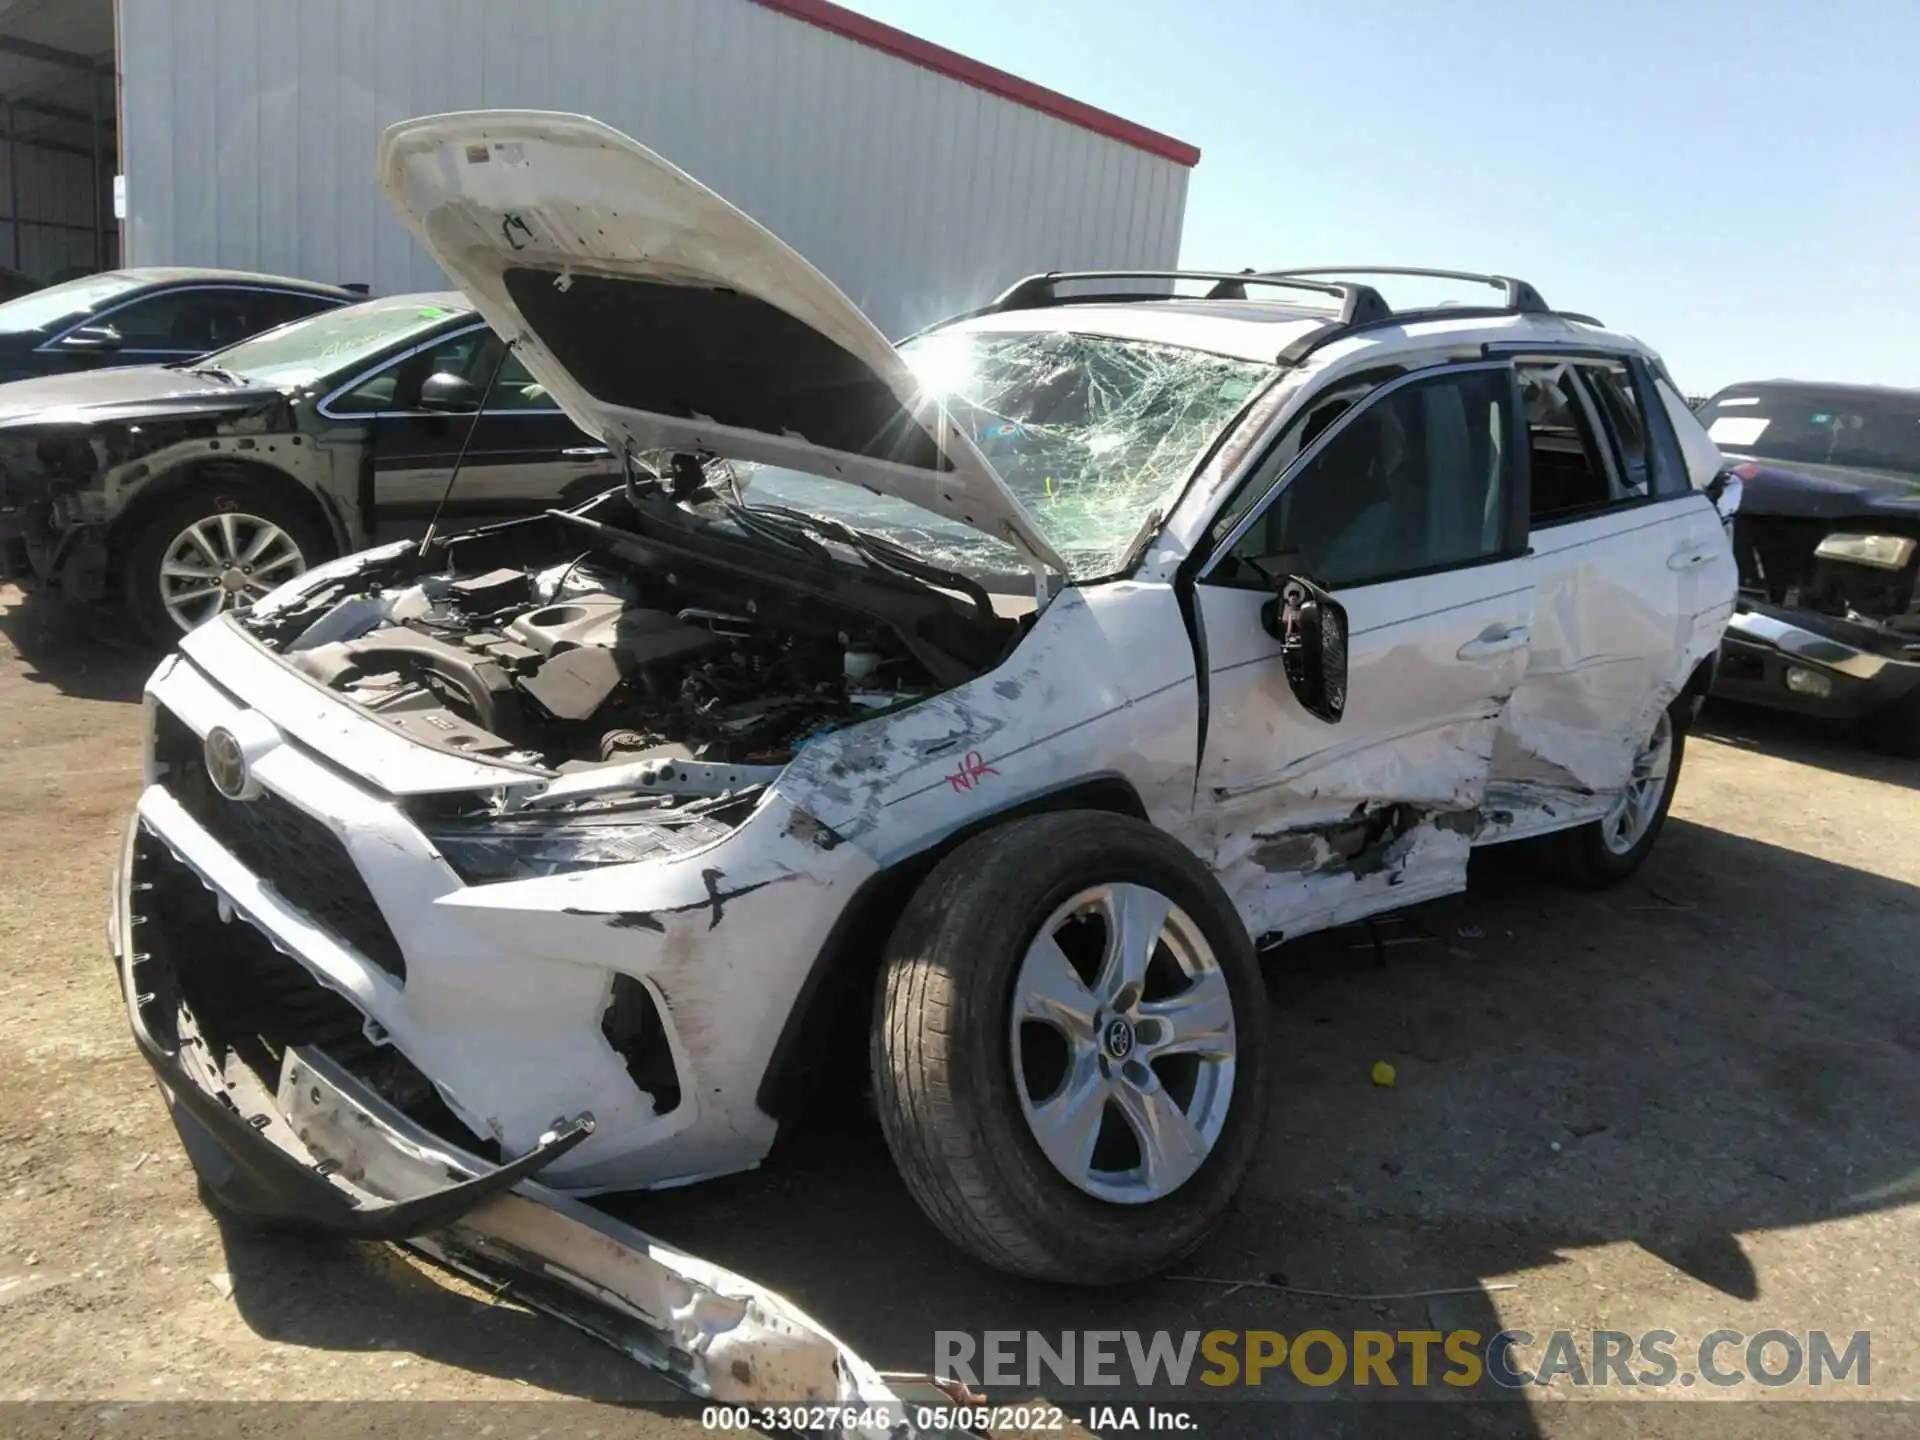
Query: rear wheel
{"points": [[217, 546], [1610, 849], [1070, 1048]]}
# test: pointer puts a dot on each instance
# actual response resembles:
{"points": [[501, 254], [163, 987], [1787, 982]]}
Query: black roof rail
{"points": [[1359, 304], [1521, 297]]}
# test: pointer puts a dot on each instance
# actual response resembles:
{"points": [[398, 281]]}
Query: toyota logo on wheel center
{"points": [[1119, 1038]]}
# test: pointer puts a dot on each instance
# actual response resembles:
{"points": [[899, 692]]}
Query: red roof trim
{"points": [[943, 61]]}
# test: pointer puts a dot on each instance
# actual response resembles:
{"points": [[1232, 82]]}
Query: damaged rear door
{"points": [[1402, 500], [1628, 555]]}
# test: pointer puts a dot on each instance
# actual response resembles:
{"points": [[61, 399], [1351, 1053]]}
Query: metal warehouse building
{"points": [[244, 133]]}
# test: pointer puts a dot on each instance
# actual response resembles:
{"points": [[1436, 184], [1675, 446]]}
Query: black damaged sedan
{"points": [[1828, 541], [183, 490]]}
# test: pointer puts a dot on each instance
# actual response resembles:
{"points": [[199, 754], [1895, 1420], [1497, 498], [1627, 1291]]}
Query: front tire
{"points": [[1610, 849], [1070, 1048], [216, 545]]}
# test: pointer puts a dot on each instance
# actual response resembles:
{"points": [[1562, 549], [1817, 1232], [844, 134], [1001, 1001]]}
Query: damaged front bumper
{"points": [[1784, 658], [38, 548], [324, 1149]]}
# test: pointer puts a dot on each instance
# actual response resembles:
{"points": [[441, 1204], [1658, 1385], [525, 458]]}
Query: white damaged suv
{"points": [[1022, 677]]}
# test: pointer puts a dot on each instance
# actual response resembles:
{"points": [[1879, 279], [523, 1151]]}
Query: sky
{"points": [[1738, 184]]}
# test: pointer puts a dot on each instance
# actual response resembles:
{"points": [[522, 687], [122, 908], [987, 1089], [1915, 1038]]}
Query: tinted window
{"points": [[1308, 426], [516, 389], [190, 322], [69, 300], [471, 356], [1416, 479], [1857, 429], [268, 308]]}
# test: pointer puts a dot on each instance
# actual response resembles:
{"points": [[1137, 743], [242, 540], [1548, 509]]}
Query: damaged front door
{"points": [[1403, 503]]}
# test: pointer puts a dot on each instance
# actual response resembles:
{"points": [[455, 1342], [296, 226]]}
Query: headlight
{"points": [[1883, 552], [528, 844], [524, 849]]}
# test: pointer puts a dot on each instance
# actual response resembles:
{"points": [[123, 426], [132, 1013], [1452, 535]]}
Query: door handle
{"points": [[585, 452], [1485, 647], [1688, 558]]}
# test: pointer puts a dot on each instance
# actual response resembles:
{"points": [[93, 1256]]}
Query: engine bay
{"points": [[1784, 560], [614, 657]]}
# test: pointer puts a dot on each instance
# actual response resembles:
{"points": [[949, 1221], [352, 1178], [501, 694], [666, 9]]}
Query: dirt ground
{"points": [[1687, 1104]]}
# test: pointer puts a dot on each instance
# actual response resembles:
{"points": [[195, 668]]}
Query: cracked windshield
{"points": [[1092, 434]]}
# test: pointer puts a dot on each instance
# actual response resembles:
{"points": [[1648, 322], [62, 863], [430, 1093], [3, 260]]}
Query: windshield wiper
{"points": [[789, 532], [882, 553], [212, 372]]}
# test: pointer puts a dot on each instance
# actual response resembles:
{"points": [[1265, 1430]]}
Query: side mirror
{"points": [[93, 340], [1311, 627], [1726, 491], [448, 394]]}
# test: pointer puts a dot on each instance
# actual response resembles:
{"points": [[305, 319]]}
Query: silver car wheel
{"points": [[1634, 812], [224, 561], [1123, 1043]]}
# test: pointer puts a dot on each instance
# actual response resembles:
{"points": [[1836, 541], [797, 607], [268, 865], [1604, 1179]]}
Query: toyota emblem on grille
{"points": [[226, 763]]}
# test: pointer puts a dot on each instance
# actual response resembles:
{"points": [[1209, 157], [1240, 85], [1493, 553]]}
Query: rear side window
{"points": [[1570, 473], [1415, 480], [1612, 387]]}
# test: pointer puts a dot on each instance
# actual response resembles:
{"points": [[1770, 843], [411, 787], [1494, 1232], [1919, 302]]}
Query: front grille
{"points": [[252, 1001], [299, 856]]}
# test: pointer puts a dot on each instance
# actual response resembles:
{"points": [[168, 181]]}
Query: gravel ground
{"points": [[1689, 1104]]}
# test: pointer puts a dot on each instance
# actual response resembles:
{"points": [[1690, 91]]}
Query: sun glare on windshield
{"points": [[943, 364]]}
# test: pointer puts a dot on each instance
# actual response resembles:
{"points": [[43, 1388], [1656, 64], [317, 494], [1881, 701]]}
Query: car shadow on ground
{"points": [[326, 1293], [1833, 745], [88, 652], [1671, 1063]]}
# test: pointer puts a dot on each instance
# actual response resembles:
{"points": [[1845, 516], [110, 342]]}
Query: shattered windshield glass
{"points": [[1092, 434]]}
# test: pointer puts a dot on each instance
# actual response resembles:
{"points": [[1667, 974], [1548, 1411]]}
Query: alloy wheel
{"points": [[1634, 812], [224, 561], [1123, 1043]]}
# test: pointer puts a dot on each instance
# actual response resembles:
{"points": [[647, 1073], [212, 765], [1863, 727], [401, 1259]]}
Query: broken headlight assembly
{"points": [[1882, 552], [532, 844]]}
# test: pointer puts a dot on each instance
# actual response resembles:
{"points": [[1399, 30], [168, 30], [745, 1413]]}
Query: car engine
{"points": [[574, 667]]}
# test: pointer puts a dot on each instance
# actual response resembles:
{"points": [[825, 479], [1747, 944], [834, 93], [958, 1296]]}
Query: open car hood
{"points": [[662, 318]]}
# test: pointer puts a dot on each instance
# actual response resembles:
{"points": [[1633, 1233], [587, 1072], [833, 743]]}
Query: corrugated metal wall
{"points": [[249, 129], [56, 212]]}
